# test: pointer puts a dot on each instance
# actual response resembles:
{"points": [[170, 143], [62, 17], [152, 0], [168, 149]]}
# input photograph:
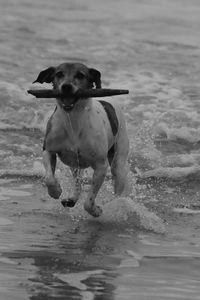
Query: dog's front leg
{"points": [[97, 180], [49, 161], [71, 201]]}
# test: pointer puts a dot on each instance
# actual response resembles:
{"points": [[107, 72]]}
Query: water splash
{"points": [[123, 211]]}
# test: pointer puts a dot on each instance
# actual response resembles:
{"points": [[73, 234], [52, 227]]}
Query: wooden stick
{"points": [[47, 93]]}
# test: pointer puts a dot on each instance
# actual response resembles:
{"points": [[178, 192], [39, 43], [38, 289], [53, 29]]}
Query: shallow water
{"points": [[145, 246]]}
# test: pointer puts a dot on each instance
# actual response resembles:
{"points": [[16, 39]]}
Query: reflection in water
{"points": [[74, 272]]}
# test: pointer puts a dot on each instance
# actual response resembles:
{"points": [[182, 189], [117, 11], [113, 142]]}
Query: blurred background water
{"points": [[152, 49]]}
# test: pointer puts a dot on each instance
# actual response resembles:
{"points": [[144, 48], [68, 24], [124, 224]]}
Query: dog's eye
{"points": [[60, 74], [80, 75]]}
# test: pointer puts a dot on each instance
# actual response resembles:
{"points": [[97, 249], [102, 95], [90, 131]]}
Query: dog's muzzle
{"points": [[69, 99]]}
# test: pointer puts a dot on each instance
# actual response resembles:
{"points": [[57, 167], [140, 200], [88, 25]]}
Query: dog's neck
{"points": [[73, 119]]}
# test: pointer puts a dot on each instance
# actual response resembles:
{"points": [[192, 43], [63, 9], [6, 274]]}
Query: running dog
{"points": [[83, 133]]}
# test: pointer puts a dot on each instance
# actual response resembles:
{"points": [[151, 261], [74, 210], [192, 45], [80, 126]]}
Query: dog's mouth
{"points": [[68, 103], [68, 107]]}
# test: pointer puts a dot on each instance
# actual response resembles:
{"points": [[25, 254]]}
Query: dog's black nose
{"points": [[67, 88]]}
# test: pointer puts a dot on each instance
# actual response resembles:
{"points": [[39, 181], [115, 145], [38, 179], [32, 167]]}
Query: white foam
{"points": [[185, 210], [177, 173], [190, 135]]}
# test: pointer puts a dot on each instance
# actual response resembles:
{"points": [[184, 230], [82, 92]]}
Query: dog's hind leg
{"points": [[119, 170], [100, 171], [49, 161], [71, 201], [119, 165]]}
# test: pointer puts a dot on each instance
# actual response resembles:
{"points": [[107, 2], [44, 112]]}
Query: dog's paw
{"points": [[54, 192], [54, 189], [70, 202], [94, 210]]}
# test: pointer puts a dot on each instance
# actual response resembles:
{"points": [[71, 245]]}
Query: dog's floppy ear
{"points": [[95, 76], [46, 75]]}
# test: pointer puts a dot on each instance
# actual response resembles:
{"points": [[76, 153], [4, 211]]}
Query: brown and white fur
{"points": [[79, 132]]}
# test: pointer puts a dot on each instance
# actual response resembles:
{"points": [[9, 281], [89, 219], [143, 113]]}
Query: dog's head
{"points": [[67, 78]]}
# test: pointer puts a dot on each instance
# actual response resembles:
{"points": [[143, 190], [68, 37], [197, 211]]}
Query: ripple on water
{"points": [[5, 221], [76, 280], [160, 278]]}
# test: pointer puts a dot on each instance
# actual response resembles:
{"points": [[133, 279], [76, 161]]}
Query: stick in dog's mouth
{"points": [[81, 93]]}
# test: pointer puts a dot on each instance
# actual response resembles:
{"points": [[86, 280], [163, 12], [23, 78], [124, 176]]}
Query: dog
{"points": [[83, 133]]}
